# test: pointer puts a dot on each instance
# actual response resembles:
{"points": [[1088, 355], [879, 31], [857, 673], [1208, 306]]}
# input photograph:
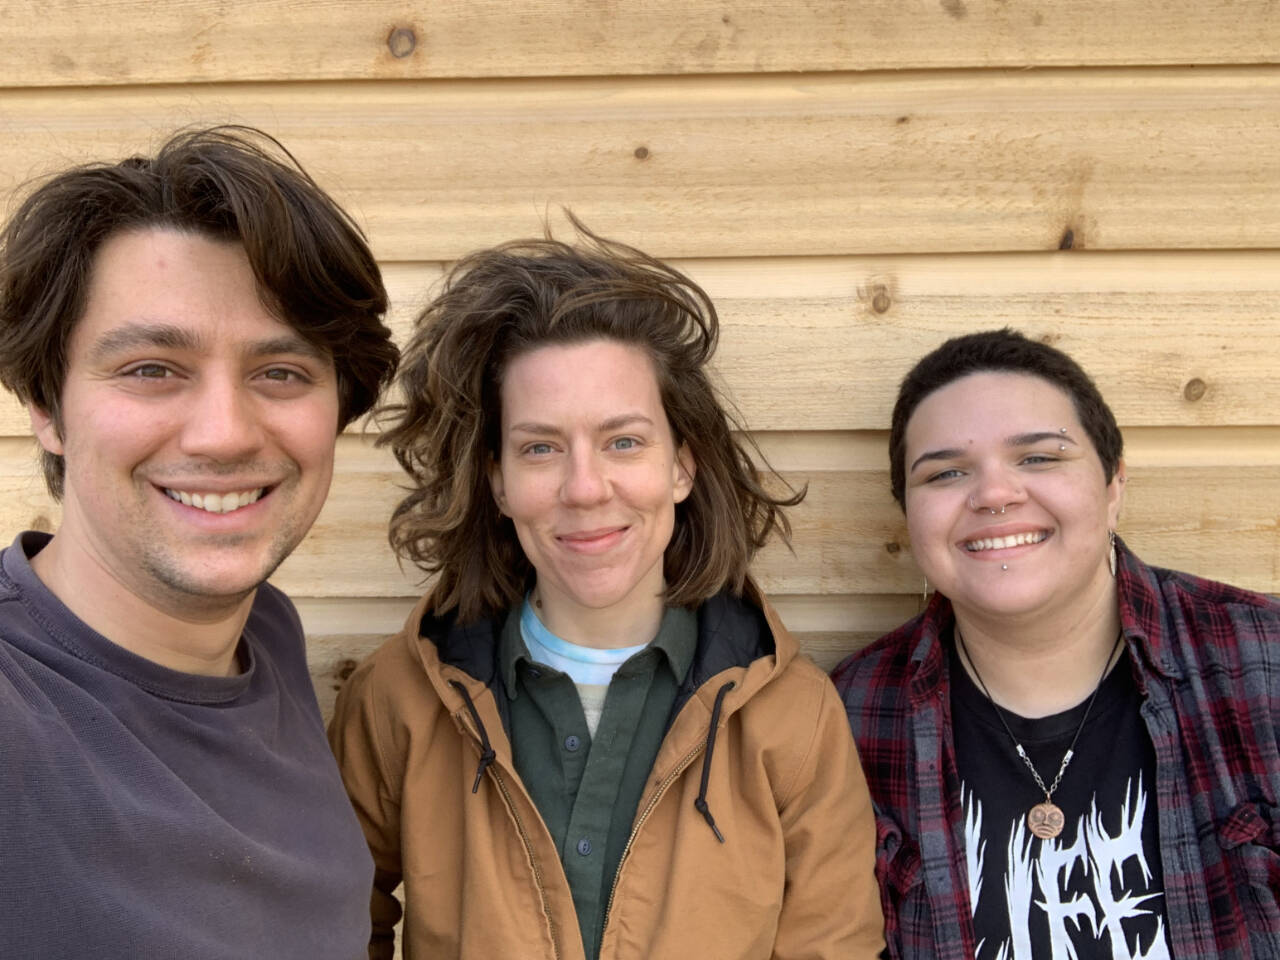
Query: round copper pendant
{"points": [[1045, 820]]}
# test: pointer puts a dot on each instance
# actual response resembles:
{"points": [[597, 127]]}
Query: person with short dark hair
{"points": [[1071, 753], [189, 332], [594, 738]]}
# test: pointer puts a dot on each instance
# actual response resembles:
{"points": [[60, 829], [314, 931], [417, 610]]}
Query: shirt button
{"points": [[584, 846], [572, 743]]}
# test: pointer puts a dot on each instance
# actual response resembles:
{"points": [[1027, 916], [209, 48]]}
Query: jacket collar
{"points": [[732, 632]]}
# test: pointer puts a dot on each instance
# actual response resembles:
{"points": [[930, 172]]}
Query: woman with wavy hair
{"points": [[594, 738]]}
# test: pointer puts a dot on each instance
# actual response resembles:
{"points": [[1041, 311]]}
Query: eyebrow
{"points": [[613, 423], [164, 335], [1016, 440], [168, 336], [1026, 439]]}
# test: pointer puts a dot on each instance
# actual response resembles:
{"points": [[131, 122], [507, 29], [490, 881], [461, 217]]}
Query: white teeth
{"points": [[1002, 543], [215, 502]]}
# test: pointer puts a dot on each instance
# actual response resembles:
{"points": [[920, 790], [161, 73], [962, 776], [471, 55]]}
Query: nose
{"points": [[585, 482], [221, 422], [995, 488]]}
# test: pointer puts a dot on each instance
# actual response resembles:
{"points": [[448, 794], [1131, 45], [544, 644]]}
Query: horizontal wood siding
{"points": [[770, 165], [129, 42]]}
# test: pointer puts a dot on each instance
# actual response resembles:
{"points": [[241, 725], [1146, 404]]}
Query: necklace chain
{"points": [[1066, 757]]}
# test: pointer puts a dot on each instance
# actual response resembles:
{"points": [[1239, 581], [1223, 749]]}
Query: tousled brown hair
{"points": [[1000, 351], [506, 301], [313, 268]]}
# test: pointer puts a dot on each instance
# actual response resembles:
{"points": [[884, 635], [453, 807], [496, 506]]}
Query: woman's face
{"points": [[589, 473], [996, 441]]}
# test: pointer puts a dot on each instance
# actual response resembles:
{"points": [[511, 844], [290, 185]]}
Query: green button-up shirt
{"points": [[587, 789]]}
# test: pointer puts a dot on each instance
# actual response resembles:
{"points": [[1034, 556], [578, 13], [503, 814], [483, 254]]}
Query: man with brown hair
{"points": [[189, 332]]}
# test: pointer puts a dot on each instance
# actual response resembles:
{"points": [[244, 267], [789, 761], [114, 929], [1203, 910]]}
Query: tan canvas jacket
{"points": [[419, 737]]}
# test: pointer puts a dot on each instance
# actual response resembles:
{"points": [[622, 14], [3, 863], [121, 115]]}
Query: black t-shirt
{"points": [[1097, 889]]}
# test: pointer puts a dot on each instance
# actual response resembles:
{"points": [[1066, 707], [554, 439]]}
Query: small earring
{"points": [[1111, 554], [924, 594]]}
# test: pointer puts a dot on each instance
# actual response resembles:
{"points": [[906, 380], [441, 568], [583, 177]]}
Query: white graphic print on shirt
{"points": [[1075, 882]]}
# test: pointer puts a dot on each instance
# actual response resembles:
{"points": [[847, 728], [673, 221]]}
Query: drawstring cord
{"points": [[700, 804], [487, 756]]}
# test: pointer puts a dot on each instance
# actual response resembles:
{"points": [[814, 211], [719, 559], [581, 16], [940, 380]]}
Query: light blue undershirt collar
{"points": [[589, 665]]}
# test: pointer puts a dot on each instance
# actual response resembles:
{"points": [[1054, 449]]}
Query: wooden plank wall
{"points": [[853, 180]]}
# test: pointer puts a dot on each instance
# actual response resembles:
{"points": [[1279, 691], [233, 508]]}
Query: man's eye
{"points": [[283, 374], [150, 371]]}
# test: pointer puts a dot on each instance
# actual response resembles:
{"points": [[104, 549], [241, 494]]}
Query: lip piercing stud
{"points": [[1062, 446], [1004, 566]]}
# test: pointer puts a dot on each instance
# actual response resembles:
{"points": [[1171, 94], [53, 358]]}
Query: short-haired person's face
{"points": [[197, 429], [995, 441], [589, 473]]}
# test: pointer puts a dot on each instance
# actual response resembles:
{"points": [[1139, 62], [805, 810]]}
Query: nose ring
{"points": [[992, 510]]}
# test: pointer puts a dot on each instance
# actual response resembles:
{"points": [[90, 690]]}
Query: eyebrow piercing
{"points": [[1062, 430], [1062, 446]]}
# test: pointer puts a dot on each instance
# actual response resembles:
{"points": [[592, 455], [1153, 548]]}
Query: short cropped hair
{"points": [[501, 303], [1001, 351], [313, 268]]}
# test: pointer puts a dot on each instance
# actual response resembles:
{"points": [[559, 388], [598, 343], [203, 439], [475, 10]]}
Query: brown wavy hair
{"points": [[500, 303], [313, 267]]}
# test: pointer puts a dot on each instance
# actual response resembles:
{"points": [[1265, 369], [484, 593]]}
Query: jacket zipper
{"points": [[526, 840], [640, 821]]}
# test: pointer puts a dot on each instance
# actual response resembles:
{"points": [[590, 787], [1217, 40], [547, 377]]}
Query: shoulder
{"points": [[391, 695], [882, 670], [1199, 620]]}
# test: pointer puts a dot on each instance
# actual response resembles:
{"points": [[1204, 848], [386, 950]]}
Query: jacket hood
{"points": [[733, 632]]}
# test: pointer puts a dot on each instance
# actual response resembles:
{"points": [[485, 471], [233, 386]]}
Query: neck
{"points": [[633, 621], [1042, 666], [190, 638]]}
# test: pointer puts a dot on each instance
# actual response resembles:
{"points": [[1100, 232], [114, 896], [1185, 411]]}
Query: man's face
{"points": [[197, 429]]}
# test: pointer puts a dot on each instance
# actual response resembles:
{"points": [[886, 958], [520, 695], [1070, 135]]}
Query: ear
{"points": [[495, 484], [45, 429], [684, 468], [1115, 495]]}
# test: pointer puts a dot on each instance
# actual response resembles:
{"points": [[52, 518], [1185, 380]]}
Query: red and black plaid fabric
{"points": [[1206, 658]]}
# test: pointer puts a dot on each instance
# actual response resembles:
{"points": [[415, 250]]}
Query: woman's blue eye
{"points": [[539, 448], [944, 475], [624, 443]]}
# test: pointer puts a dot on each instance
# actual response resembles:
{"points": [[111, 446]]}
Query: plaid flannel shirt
{"points": [[1206, 658]]}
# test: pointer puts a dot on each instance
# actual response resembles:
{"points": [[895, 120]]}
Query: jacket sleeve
{"points": [[357, 746], [831, 908]]}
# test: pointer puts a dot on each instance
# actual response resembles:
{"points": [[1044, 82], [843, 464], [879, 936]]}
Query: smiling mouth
{"points": [[1003, 543], [588, 537], [216, 502]]}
